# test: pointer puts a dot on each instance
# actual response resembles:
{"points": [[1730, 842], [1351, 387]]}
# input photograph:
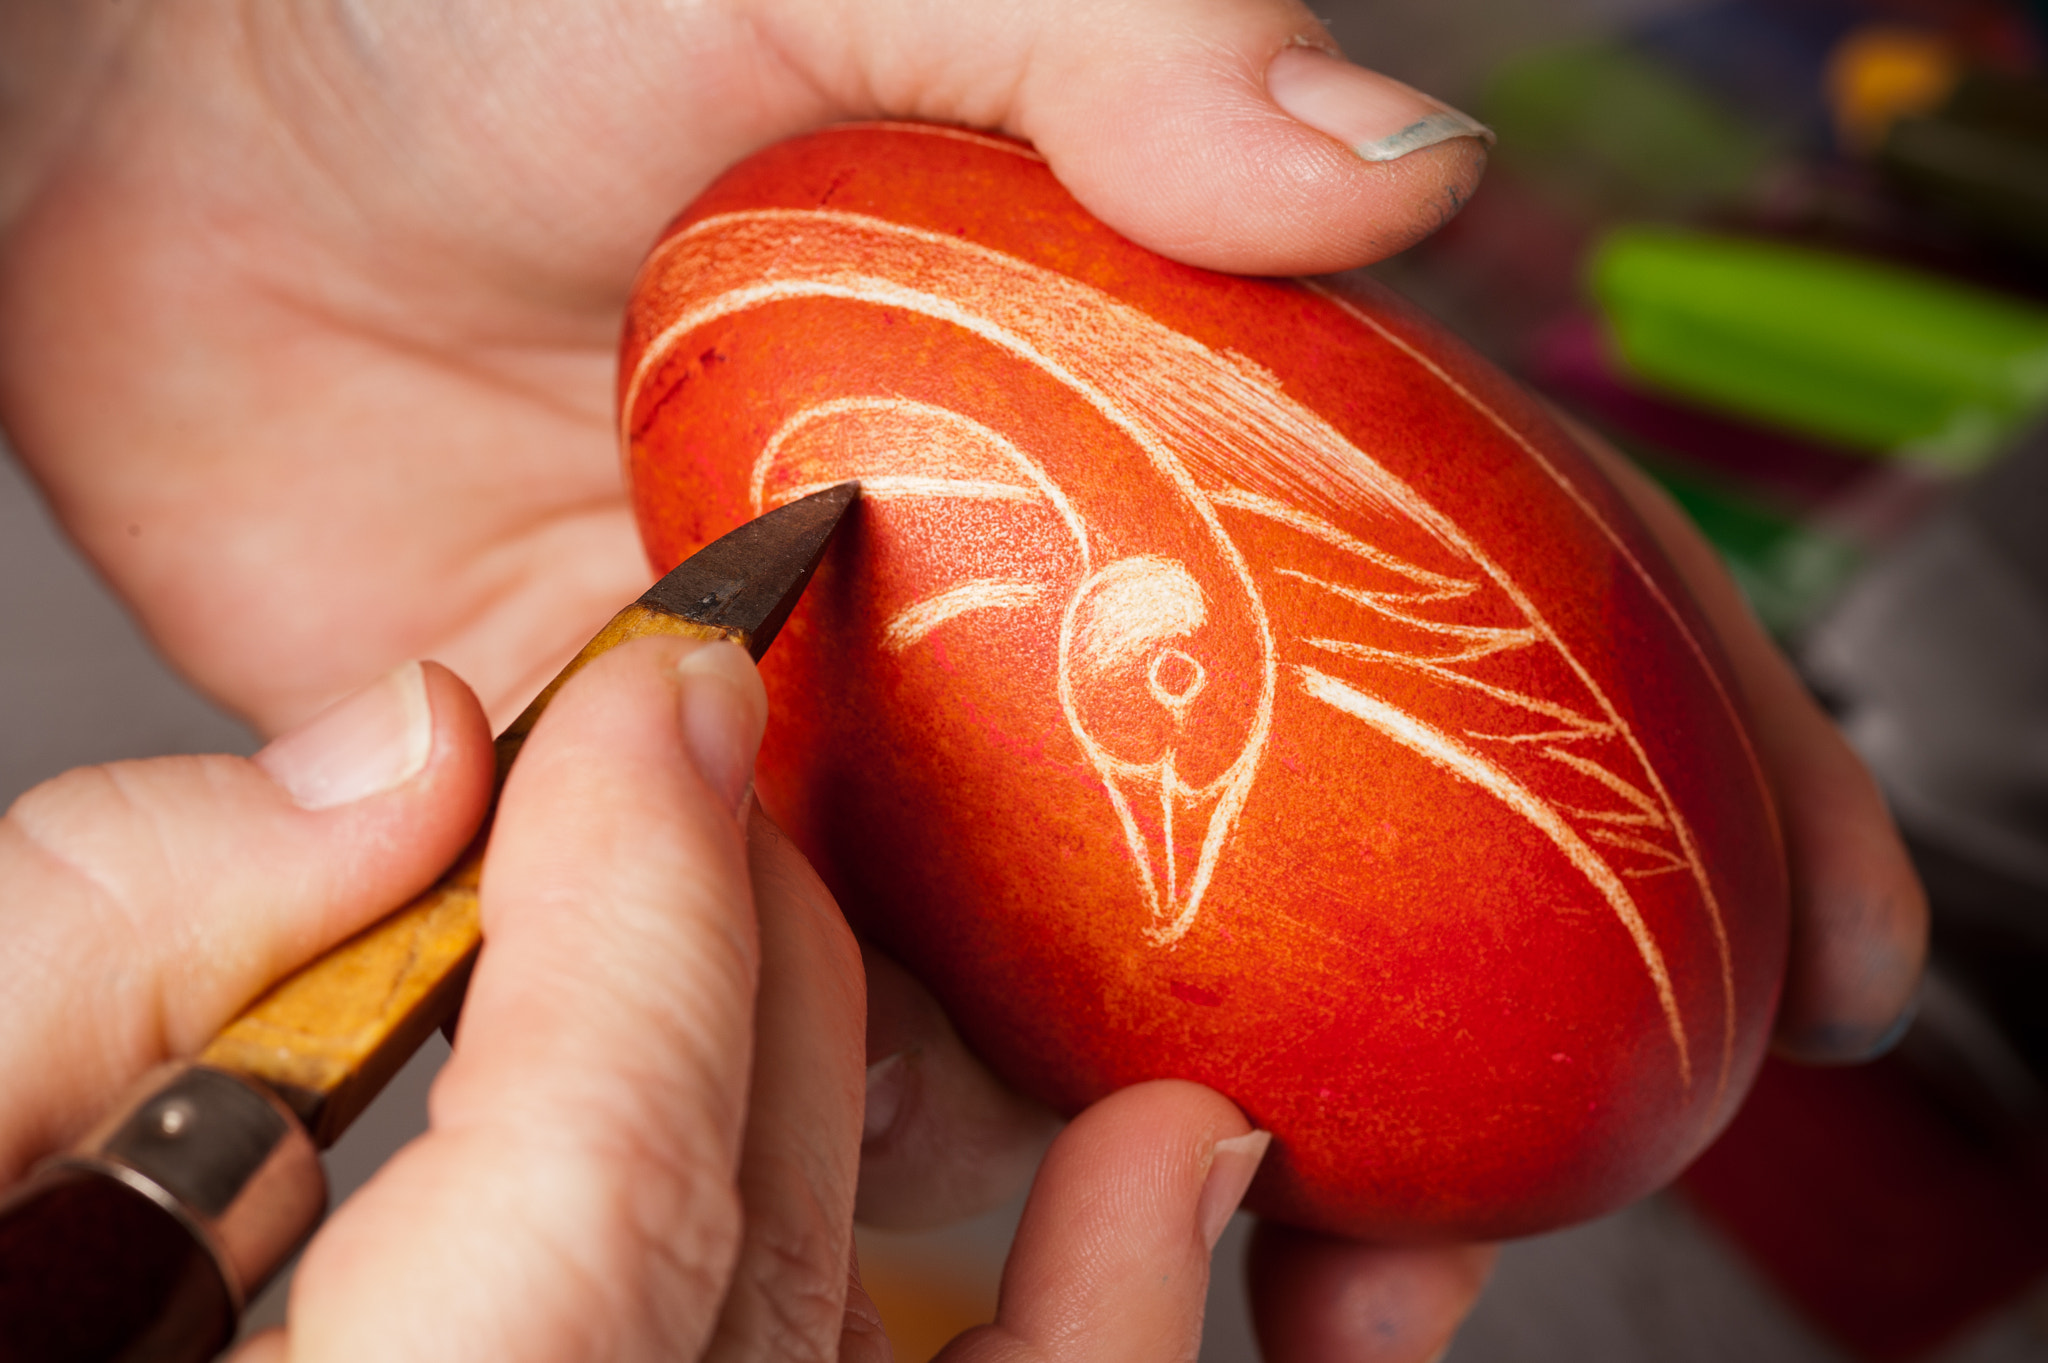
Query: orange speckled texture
{"points": [[1226, 679]]}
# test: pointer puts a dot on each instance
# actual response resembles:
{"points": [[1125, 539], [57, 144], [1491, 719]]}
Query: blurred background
{"points": [[1792, 257]]}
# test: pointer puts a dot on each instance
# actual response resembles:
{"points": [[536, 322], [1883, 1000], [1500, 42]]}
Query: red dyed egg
{"points": [[1226, 679]]}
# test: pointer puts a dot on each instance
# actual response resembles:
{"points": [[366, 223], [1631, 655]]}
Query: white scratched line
{"points": [[1684, 832], [1625, 789], [1346, 648], [1308, 523], [913, 623], [939, 421], [1643, 845], [894, 486], [1453, 756]]}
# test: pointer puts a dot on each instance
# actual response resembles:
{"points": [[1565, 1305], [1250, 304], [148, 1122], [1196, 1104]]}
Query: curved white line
{"points": [[913, 623], [1627, 790], [1294, 518], [1494, 638], [1456, 758], [1346, 648], [918, 411], [1643, 845], [1587, 729], [885, 487], [1679, 825]]}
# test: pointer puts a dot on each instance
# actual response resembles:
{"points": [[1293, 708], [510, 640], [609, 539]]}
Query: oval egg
{"points": [[1226, 679]]}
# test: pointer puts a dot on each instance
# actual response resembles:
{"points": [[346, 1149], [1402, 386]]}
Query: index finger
{"points": [[576, 1194]]}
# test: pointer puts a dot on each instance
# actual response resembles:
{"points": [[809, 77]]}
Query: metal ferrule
{"points": [[223, 1155]]}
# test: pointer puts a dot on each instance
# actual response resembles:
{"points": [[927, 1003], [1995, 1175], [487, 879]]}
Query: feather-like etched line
{"points": [[1454, 757], [1310, 524], [913, 623]]}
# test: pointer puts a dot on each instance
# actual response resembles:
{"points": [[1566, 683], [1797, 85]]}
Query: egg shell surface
{"points": [[1220, 678]]}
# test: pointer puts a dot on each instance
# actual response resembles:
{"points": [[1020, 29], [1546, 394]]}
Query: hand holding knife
{"points": [[147, 1239]]}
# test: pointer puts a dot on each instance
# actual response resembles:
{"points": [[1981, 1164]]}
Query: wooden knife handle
{"points": [[328, 1038]]}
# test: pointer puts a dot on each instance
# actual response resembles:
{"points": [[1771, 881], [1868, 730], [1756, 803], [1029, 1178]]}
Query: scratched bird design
{"points": [[1220, 678], [1151, 636]]}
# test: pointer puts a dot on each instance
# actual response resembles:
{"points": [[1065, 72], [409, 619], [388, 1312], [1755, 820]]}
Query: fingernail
{"points": [[373, 741], [888, 1082], [1231, 1167], [725, 710], [1847, 1043], [1379, 118], [1889, 1039]]}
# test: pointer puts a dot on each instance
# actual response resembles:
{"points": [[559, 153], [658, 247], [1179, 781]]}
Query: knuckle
{"points": [[690, 1238], [793, 1279], [150, 804], [96, 830]]}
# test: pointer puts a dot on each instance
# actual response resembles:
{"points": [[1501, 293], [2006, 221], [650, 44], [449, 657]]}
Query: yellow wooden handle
{"points": [[329, 1037]]}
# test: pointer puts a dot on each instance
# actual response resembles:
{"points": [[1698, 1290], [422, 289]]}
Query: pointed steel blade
{"points": [[747, 582]]}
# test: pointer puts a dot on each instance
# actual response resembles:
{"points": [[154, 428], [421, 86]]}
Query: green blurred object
{"points": [[1789, 570], [1615, 130], [1865, 355]]}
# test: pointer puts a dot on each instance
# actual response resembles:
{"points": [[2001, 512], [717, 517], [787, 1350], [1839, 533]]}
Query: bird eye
{"points": [[1175, 679]]}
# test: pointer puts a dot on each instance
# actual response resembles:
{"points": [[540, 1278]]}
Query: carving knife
{"points": [[143, 1243]]}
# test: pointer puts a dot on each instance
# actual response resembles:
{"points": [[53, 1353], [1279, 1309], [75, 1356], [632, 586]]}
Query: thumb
{"points": [[142, 903], [1111, 1261], [1225, 133]]}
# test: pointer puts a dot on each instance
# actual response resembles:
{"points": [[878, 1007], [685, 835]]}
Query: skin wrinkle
{"points": [[117, 1035], [695, 1240], [682, 1209], [648, 1100], [352, 226], [665, 1086], [320, 102], [600, 1279], [698, 1259], [1123, 1202], [40, 819], [681, 1301], [189, 936], [463, 357], [868, 68], [788, 1261], [645, 1110], [799, 1165], [862, 1338]]}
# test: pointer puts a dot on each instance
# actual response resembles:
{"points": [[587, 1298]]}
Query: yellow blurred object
{"points": [[1880, 74], [928, 1288]]}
